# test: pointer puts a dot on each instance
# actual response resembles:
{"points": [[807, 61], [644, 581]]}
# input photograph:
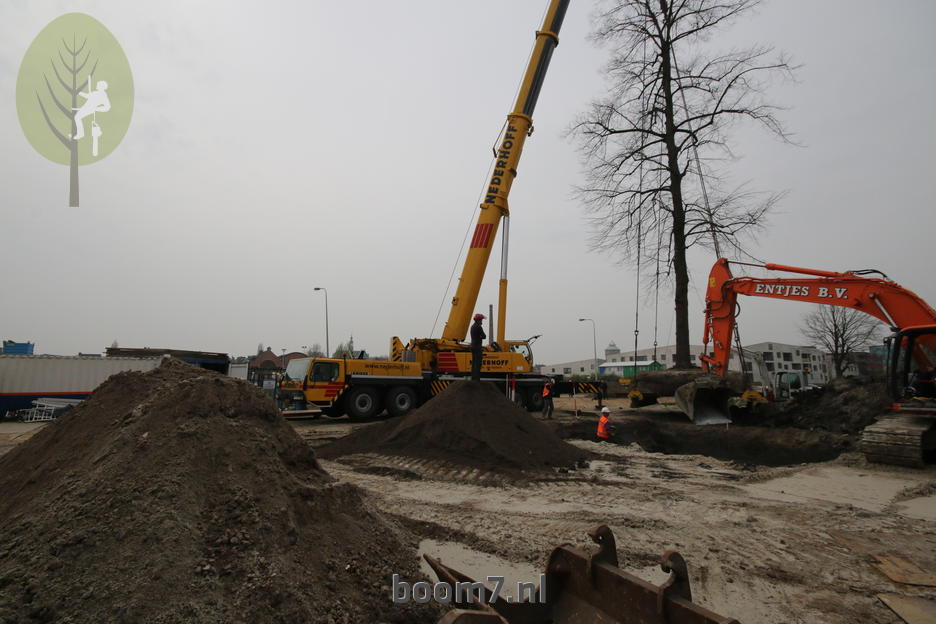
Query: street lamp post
{"points": [[594, 345], [327, 346]]}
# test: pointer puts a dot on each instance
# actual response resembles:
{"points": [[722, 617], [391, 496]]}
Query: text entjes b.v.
{"points": [[500, 167], [789, 290]]}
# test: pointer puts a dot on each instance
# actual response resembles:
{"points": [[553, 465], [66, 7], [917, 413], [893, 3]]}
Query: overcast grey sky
{"points": [[277, 146]]}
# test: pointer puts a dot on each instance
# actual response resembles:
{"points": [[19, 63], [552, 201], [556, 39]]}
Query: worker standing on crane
{"points": [[477, 342]]}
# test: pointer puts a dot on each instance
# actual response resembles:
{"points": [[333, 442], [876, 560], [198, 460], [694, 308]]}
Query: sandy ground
{"points": [[772, 545], [12, 433]]}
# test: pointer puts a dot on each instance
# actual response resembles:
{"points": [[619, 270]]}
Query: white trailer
{"points": [[26, 378]]}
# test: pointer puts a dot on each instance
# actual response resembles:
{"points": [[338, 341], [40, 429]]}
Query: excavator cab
{"points": [[911, 365]]}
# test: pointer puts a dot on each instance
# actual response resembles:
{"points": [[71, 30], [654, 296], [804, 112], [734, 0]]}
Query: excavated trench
{"points": [[761, 446]]}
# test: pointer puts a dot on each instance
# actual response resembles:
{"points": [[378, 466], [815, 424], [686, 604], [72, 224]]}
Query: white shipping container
{"points": [[60, 374]]}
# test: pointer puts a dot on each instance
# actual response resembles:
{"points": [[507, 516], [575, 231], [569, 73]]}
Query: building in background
{"points": [[779, 357], [626, 370], [11, 347], [268, 366], [580, 368], [759, 359]]}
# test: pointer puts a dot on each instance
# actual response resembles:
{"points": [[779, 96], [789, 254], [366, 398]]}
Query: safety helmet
{"points": [[479, 317], [605, 410]]}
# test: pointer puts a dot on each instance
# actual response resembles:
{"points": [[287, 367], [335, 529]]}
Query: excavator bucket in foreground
{"points": [[705, 400], [586, 588]]}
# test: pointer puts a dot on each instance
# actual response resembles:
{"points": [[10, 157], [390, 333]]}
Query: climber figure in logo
{"points": [[95, 102]]}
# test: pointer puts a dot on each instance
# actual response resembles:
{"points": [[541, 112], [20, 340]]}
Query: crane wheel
{"points": [[533, 400], [362, 402], [401, 400]]}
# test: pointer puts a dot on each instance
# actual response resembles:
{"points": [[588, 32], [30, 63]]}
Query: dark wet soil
{"points": [[181, 495], [763, 446], [470, 424]]}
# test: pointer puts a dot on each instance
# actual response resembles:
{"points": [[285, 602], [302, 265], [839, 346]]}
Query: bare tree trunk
{"points": [[680, 268], [73, 144], [73, 174]]}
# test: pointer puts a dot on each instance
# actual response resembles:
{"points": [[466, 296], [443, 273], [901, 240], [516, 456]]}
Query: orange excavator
{"points": [[906, 433]]}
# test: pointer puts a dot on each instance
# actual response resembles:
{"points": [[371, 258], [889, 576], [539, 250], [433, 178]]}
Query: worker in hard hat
{"points": [[548, 399], [477, 342], [605, 428]]}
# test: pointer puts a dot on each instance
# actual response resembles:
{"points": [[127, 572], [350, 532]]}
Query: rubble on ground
{"points": [[845, 405]]}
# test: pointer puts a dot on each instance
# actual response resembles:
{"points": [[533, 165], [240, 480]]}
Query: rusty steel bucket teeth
{"points": [[582, 587], [705, 400]]}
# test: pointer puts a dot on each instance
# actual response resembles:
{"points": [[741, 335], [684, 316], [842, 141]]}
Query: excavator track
{"points": [[903, 439]]}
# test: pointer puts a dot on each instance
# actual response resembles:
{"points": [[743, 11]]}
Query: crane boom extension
{"points": [[495, 206]]}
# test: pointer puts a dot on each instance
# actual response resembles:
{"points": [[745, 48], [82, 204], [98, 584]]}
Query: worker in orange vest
{"points": [[605, 428], [548, 399]]}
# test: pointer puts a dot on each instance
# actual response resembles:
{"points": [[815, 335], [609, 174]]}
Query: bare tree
{"points": [[315, 350], [66, 74], [651, 145], [840, 332]]}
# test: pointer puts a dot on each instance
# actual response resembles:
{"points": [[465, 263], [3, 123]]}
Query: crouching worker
{"points": [[605, 428]]}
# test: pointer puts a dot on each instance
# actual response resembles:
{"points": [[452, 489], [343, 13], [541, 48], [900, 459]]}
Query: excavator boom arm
{"points": [[885, 300]]}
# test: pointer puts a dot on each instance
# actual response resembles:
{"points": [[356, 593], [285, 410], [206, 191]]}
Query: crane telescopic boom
{"points": [[495, 205]]}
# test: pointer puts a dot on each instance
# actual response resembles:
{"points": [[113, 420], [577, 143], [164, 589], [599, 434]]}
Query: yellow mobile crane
{"points": [[425, 366], [449, 353]]}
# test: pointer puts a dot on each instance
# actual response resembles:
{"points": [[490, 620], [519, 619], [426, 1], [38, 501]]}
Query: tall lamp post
{"points": [[327, 346], [594, 346]]}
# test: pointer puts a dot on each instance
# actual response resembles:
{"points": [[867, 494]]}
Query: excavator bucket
{"points": [[582, 587], [705, 400]]}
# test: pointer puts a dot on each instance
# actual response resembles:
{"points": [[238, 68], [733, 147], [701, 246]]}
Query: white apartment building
{"points": [[582, 368], [776, 357], [779, 357]]}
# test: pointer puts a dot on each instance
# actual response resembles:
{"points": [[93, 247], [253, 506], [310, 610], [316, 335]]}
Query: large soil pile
{"points": [[181, 495], [843, 406], [470, 423]]}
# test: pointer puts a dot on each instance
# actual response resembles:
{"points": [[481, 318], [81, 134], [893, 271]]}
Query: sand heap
{"points": [[181, 495], [471, 424]]}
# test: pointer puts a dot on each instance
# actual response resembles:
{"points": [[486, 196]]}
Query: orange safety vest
{"points": [[603, 427], [547, 390]]}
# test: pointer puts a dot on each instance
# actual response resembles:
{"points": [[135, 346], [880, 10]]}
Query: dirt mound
{"points": [[842, 406], [664, 382], [182, 495], [470, 423]]}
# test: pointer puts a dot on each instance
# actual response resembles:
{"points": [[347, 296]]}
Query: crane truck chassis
{"points": [[906, 433], [364, 388]]}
